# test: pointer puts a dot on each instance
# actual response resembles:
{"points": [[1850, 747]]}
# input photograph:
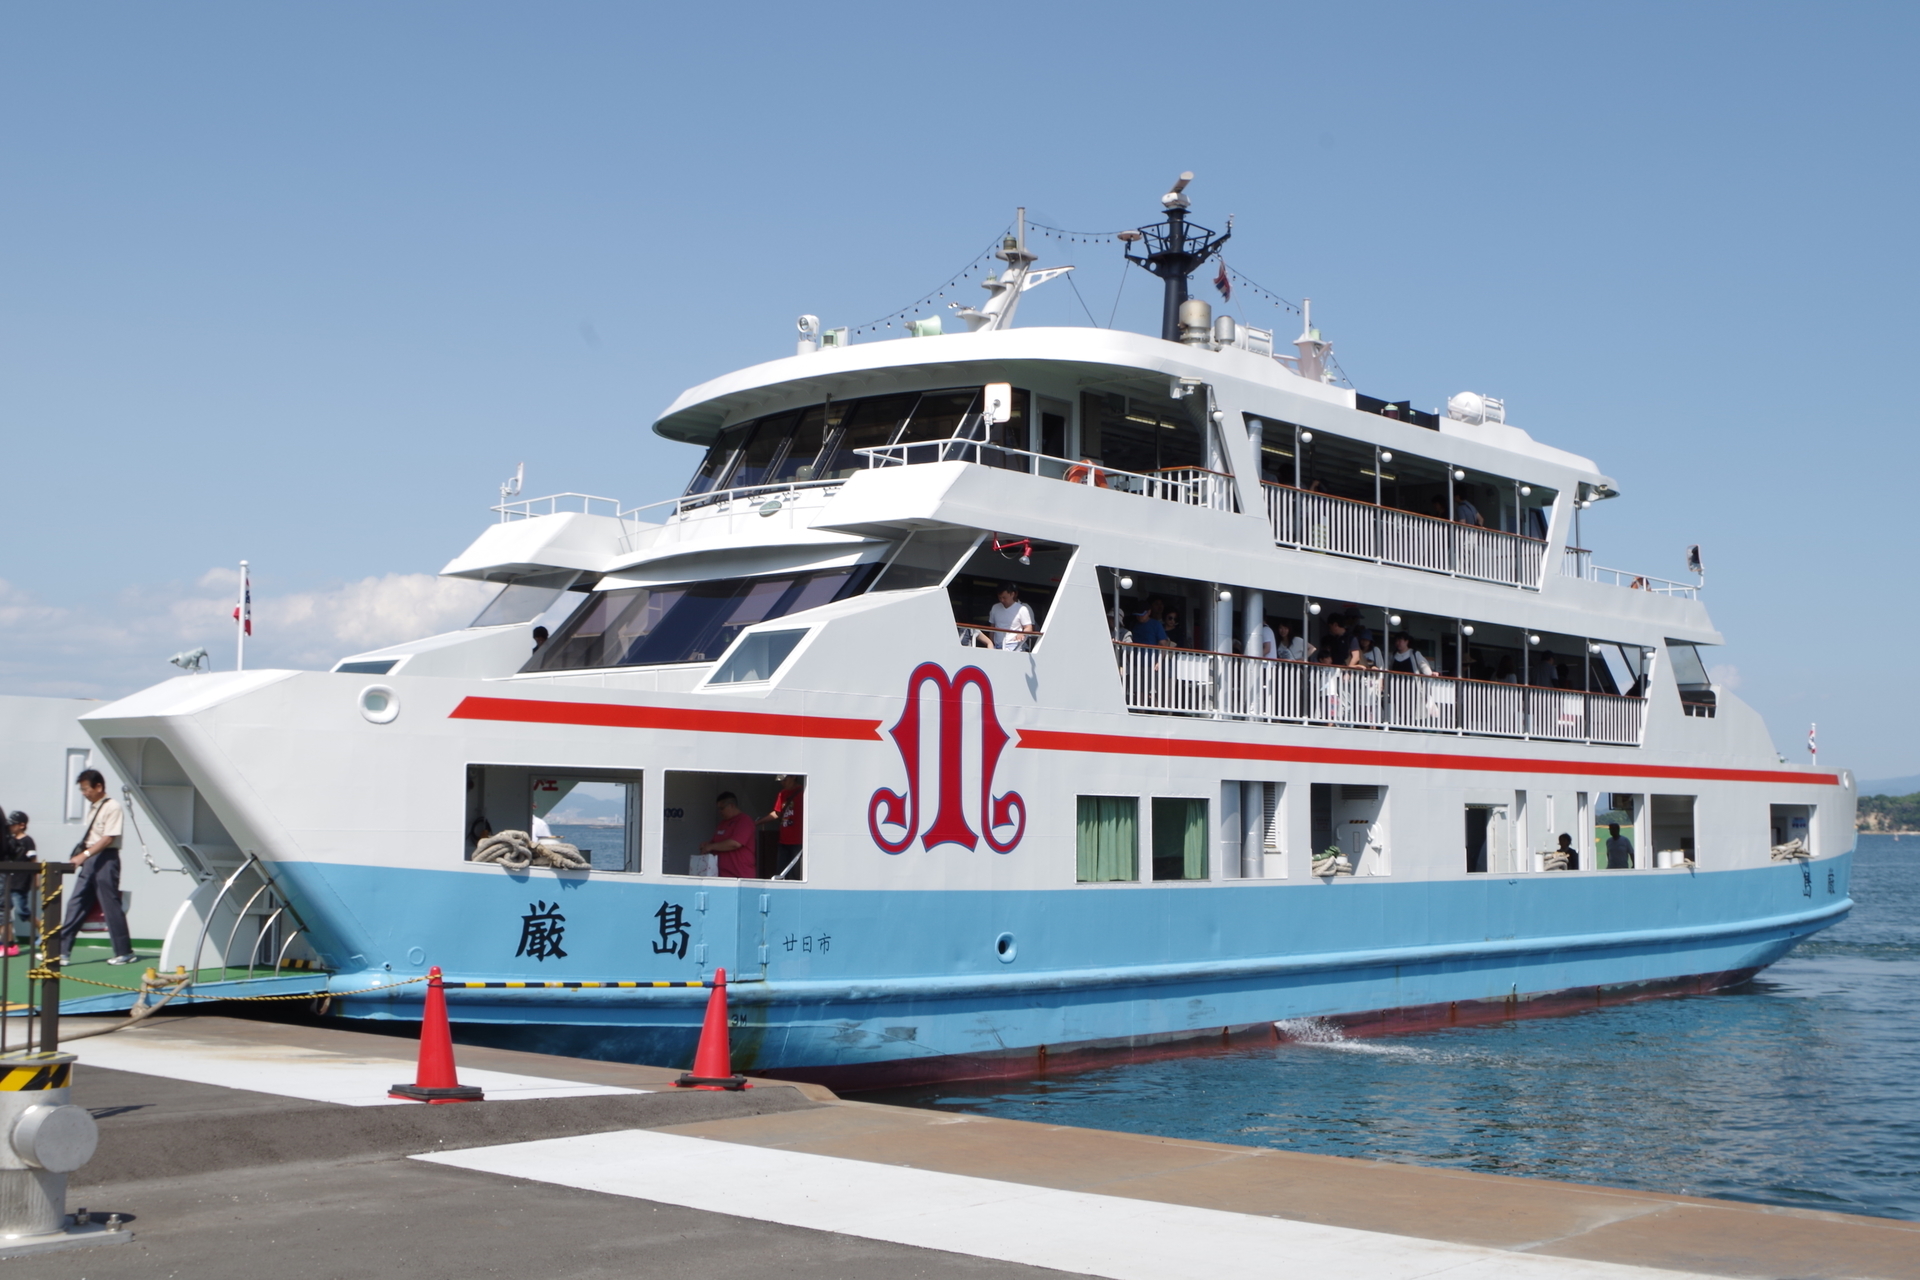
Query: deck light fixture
{"points": [[1393, 619], [1126, 583], [1526, 491], [1306, 437], [1226, 596], [1458, 474], [1466, 628], [1592, 648], [1313, 607], [1533, 639], [1386, 455]]}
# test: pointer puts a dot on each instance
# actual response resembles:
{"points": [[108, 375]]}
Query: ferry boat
{"points": [[1138, 692]]}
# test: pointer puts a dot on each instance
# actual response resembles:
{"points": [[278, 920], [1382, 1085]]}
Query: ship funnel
{"points": [[1196, 322]]}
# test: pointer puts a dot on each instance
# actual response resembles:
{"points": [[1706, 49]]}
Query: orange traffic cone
{"points": [[713, 1060], [435, 1079]]}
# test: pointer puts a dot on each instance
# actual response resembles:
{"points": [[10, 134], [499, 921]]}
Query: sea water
{"points": [[1799, 1088]]}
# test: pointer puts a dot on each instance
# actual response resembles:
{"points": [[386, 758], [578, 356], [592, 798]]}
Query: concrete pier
{"points": [[242, 1148]]}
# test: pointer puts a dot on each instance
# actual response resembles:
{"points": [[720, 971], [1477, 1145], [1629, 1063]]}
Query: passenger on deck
{"points": [[1176, 636], [1466, 513], [788, 817], [19, 904], [1619, 849], [1508, 673], [539, 638], [1265, 645], [1013, 618], [1573, 854], [733, 839], [1341, 646], [1290, 646], [1149, 627], [1437, 506], [1407, 658]]}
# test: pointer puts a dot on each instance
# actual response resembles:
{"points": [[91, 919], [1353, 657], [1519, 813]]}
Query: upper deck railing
{"points": [[1193, 486], [1578, 563], [1231, 686], [555, 504], [1386, 535]]}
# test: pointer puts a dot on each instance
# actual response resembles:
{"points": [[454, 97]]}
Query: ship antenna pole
{"points": [[1175, 251]]}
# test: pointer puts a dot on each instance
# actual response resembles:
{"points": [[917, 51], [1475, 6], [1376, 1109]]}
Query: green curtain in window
{"points": [[1109, 838], [1179, 839]]}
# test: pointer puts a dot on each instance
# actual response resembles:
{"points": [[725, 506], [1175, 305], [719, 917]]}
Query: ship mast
{"points": [[1175, 250]]}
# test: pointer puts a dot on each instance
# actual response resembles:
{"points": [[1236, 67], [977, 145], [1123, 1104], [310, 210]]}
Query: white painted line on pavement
{"points": [[312, 1074], [1067, 1230]]}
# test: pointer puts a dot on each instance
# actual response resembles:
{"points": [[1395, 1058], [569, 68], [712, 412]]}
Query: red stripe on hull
{"points": [[1050, 1060], [1203, 749], [610, 715]]}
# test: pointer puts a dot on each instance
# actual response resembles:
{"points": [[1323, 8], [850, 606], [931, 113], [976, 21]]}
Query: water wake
{"points": [[1322, 1034]]}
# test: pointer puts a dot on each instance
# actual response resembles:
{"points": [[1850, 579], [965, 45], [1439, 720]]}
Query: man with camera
{"points": [[98, 858]]}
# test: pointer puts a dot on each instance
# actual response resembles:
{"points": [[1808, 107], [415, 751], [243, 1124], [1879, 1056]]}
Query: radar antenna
{"points": [[1175, 249]]}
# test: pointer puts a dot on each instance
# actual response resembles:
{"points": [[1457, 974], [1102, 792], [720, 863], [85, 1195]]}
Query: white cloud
{"points": [[110, 648]]}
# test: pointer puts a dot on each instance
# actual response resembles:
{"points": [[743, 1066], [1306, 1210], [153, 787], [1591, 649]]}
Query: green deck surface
{"points": [[90, 961]]}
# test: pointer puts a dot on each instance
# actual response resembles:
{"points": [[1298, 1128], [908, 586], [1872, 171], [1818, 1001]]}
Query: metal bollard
{"points": [[43, 1138]]}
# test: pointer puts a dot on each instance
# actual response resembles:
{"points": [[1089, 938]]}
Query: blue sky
{"points": [[303, 283]]}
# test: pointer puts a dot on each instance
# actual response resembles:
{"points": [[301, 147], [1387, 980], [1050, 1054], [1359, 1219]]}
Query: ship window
{"points": [[1792, 822], [756, 656], [687, 622], [869, 423], [524, 599], [804, 451], [1179, 839], [691, 816], [719, 460], [597, 811], [1690, 674], [1107, 839], [1621, 809], [1670, 830], [758, 454], [926, 558], [1349, 829], [1142, 434]]}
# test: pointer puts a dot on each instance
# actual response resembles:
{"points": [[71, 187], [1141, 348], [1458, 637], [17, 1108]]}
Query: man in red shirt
{"points": [[788, 815], [733, 839]]}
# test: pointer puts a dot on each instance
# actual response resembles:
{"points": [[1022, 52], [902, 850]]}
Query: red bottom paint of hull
{"points": [[1050, 1060]]}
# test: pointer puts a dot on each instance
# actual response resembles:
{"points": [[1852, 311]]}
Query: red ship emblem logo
{"points": [[894, 819]]}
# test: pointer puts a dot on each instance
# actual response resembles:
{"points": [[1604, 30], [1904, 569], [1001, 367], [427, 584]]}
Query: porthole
{"points": [[379, 704], [1006, 948]]}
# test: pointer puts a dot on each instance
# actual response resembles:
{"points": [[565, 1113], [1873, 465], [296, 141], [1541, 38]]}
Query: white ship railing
{"points": [[1230, 686], [1365, 531], [1193, 486], [720, 501], [1577, 562], [556, 503]]}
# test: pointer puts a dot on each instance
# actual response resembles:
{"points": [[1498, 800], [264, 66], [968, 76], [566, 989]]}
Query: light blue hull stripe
{"points": [[864, 978]]}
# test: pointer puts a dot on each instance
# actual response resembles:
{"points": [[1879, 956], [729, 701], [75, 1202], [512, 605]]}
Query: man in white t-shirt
{"points": [[1264, 645], [1011, 618]]}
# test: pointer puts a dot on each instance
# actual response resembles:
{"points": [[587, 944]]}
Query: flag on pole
{"points": [[1813, 746], [243, 612], [1223, 284]]}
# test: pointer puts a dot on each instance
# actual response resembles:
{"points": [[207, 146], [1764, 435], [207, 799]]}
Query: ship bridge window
{"points": [[686, 622], [524, 599], [1141, 434], [821, 442]]}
